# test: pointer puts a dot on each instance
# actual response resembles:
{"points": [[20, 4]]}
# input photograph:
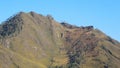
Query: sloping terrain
{"points": [[90, 48], [31, 40]]}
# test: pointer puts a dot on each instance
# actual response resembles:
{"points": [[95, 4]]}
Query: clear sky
{"points": [[102, 14]]}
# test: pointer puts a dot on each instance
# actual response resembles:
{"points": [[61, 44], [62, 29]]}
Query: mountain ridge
{"points": [[31, 40]]}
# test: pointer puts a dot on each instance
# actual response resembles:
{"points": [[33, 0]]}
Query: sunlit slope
{"points": [[31, 40], [37, 43]]}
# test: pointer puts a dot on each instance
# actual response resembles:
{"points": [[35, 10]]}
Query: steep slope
{"points": [[35, 45], [90, 48], [31, 40]]}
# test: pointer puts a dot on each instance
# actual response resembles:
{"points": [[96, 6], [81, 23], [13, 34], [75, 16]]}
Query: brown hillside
{"points": [[31, 40]]}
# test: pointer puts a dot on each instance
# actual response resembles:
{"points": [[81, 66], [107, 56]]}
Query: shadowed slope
{"points": [[90, 48]]}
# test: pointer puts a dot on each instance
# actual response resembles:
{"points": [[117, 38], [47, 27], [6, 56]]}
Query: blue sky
{"points": [[102, 14]]}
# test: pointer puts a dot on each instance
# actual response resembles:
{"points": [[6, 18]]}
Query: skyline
{"points": [[103, 15]]}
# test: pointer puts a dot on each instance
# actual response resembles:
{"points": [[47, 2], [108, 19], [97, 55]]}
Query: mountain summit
{"points": [[31, 40]]}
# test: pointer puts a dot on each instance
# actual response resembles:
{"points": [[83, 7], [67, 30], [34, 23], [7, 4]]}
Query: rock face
{"points": [[10, 26], [31, 40]]}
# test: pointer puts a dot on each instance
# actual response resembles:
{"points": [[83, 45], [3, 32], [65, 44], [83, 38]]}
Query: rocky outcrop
{"points": [[68, 25], [11, 26]]}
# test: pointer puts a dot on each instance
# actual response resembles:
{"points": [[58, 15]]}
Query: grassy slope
{"points": [[41, 44], [38, 44], [109, 54], [101, 55]]}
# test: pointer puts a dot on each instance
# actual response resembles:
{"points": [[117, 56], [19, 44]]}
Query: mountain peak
{"points": [[32, 13], [31, 40]]}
